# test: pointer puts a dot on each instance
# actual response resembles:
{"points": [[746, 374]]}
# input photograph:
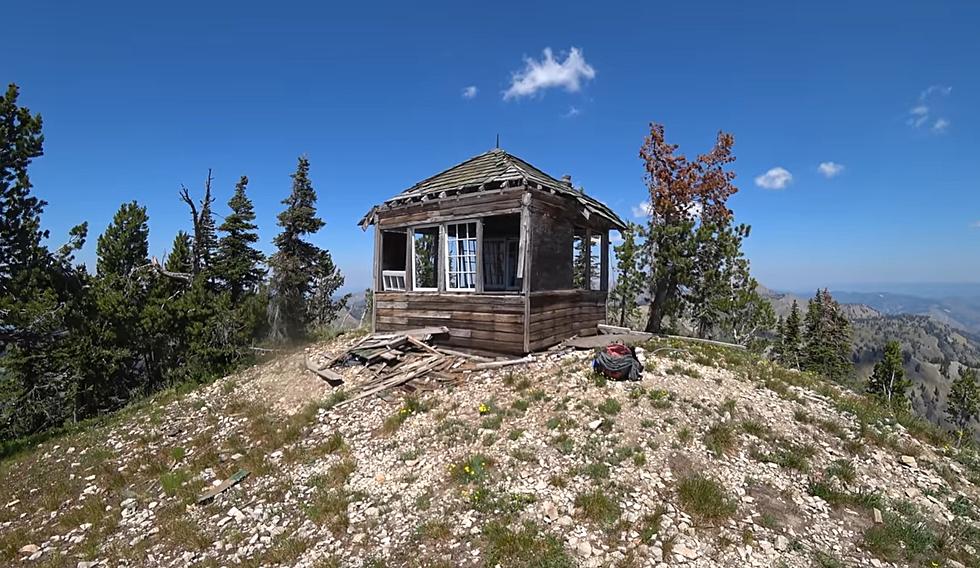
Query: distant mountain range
{"points": [[939, 336]]}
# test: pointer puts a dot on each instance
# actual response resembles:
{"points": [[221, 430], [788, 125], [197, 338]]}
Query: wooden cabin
{"points": [[507, 257]]}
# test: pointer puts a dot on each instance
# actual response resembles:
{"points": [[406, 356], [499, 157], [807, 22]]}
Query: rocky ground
{"points": [[714, 458]]}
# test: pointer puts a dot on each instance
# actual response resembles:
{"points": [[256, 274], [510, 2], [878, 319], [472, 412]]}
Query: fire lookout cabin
{"points": [[510, 259]]}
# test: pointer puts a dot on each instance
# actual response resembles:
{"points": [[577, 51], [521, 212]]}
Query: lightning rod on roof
{"points": [[498, 140]]}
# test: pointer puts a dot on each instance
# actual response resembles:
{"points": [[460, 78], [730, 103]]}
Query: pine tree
{"points": [[827, 341], [180, 258], [629, 277], [237, 263], [684, 195], [205, 240], [963, 402], [888, 379], [21, 141], [41, 294], [124, 246], [121, 294], [790, 338], [304, 277]]}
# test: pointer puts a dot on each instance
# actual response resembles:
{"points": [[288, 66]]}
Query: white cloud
{"points": [[830, 169], [921, 114], [572, 111], [642, 210], [550, 73], [975, 225], [469, 92], [935, 90], [776, 178]]}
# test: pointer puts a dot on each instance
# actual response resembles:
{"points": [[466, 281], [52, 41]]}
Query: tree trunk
{"points": [[658, 305]]}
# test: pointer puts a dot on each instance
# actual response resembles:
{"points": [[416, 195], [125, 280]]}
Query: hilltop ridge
{"points": [[714, 458]]}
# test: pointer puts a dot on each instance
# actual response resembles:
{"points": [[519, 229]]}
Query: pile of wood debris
{"points": [[407, 359]]}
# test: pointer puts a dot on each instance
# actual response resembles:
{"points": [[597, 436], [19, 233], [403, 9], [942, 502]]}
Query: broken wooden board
{"points": [[332, 378], [222, 487]]}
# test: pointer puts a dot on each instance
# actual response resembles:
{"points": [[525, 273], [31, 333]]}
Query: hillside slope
{"points": [[712, 459], [934, 349]]}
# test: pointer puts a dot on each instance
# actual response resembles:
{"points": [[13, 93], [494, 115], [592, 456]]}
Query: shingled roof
{"points": [[495, 169]]}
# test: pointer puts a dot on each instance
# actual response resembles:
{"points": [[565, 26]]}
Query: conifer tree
{"points": [[827, 342], [304, 277], [888, 379], [180, 258], [237, 263], [791, 339], [684, 194], [205, 240], [963, 402], [629, 277], [21, 141], [121, 296]]}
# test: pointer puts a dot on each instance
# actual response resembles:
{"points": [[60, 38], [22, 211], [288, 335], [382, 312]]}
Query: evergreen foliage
{"points": [[789, 351], [888, 379], [963, 402], [629, 278], [827, 338], [20, 212], [693, 248], [304, 277], [74, 344], [238, 263]]}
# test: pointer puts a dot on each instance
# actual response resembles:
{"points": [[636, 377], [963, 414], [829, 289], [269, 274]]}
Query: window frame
{"points": [[477, 273], [439, 245]]}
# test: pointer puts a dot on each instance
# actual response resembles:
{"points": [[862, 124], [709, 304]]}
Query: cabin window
{"points": [[425, 258], [500, 263], [500, 252], [461, 256], [393, 245]]}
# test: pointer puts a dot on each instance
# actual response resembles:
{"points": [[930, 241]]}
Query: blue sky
{"points": [[139, 98]]}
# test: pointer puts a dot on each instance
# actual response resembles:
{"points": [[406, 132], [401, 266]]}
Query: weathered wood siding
{"points": [[551, 252], [488, 322], [554, 316], [466, 206]]}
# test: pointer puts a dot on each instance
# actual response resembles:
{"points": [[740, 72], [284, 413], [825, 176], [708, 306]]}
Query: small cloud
{"points": [[642, 210], [572, 111], [935, 90], [550, 73], [921, 114], [975, 225], [469, 92], [776, 178], [830, 169]]}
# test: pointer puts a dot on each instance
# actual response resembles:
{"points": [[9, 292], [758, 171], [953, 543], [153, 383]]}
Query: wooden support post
{"points": [[409, 258], [524, 265], [441, 261], [479, 256], [604, 261], [588, 260], [377, 276]]}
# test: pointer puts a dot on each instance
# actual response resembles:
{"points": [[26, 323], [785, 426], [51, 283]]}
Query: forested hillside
{"points": [[76, 343]]}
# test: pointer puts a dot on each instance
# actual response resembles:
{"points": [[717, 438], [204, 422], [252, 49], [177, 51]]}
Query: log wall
{"points": [[486, 322], [554, 316]]}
